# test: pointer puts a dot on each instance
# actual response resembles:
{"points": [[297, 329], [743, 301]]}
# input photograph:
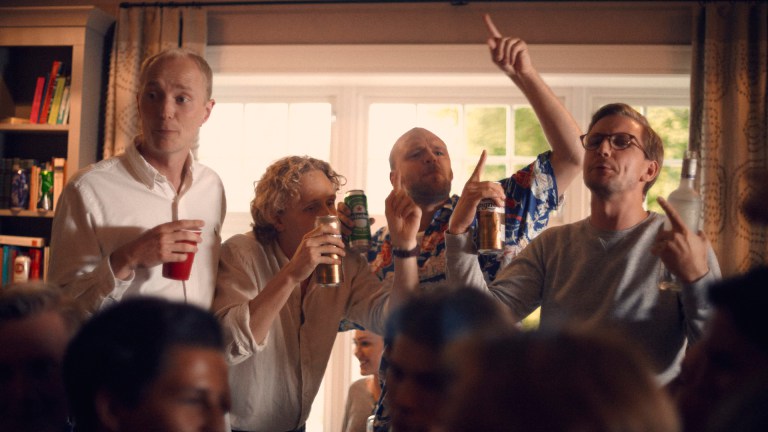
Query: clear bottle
{"points": [[688, 204]]}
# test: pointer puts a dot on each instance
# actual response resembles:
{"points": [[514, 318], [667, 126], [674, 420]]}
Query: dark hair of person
{"points": [[745, 299], [22, 300], [651, 141], [437, 318], [554, 380], [122, 350]]}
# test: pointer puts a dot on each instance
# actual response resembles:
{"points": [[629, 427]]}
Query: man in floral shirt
{"points": [[422, 160]]}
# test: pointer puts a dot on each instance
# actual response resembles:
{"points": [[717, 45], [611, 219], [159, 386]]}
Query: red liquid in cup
{"points": [[180, 270]]}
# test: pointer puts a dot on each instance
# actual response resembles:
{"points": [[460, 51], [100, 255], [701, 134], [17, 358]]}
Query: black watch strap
{"points": [[402, 253]]}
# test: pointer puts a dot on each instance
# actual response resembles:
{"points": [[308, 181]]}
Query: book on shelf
{"points": [[26, 241], [63, 117], [38, 96], [6, 169], [53, 115], [34, 270], [59, 177], [48, 95], [34, 186]]}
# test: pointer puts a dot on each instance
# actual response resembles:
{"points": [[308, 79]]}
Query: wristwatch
{"points": [[402, 253]]}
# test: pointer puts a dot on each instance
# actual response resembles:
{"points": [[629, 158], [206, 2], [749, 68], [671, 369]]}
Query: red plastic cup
{"points": [[180, 270]]}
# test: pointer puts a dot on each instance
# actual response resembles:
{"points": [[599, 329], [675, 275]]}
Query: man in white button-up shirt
{"points": [[119, 220]]}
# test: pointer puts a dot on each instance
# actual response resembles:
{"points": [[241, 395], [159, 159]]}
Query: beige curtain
{"points": [[728, 124], [140, 33]]}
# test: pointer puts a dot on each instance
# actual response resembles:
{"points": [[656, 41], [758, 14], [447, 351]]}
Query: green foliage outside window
{"points": [[529, 137], [486, 128]]}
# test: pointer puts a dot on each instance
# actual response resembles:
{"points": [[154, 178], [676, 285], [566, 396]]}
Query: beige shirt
{"points": [[274, 384]]}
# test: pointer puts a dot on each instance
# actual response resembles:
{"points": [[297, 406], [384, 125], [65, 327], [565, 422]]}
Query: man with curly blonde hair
{"points": [[280, 325]]}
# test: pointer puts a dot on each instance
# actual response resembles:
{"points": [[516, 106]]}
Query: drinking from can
{"points": [[490, 227], [329, 274], [360, 237]]}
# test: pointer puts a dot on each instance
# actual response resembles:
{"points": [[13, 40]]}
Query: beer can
{"points": [[360, 237], [21, 268], [45, 200], [490, 227], [329, 274]]}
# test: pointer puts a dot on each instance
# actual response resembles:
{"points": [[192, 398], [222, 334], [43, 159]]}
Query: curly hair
{"points": [[652, 143], [279, 187]]}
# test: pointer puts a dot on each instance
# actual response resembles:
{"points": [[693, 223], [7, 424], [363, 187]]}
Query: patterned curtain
{"points": [[728, 125], [140, 33]]}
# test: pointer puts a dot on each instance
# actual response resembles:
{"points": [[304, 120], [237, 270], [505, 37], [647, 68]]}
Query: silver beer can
{"points": [[490, 227], [329, 274]]}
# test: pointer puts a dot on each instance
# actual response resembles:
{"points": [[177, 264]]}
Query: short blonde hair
{"points": [[173, 53], [279, 187]]}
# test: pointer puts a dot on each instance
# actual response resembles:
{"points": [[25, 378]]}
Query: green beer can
{"points": [[45, 199], [360, 237]]}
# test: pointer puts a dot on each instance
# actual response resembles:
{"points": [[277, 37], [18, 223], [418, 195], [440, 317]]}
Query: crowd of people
{"points": [[110, 344]]}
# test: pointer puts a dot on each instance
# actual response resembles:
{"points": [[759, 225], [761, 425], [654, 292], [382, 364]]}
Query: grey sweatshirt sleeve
{"points": [[518, 286], [693, 297]]}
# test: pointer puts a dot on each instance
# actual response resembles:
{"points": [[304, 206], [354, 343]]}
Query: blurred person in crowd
{"points": [[415, 337], [566, 380], [729, 367], [604, 270], [280, 322], [36, 322], [148, 364], [118, 220], [364, 393]]}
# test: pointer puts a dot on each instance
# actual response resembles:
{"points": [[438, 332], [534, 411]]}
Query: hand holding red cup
{"points": [[180, 270]]}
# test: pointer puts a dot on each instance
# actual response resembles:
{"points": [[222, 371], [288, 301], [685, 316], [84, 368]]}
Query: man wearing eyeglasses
{"points": [[603, 271]]}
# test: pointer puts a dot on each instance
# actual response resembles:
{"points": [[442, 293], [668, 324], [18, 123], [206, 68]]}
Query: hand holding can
{"points": [[329, 274]]}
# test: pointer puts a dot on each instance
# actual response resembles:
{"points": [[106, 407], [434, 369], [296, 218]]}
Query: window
{"points": [[350, 112], [241, 139]]}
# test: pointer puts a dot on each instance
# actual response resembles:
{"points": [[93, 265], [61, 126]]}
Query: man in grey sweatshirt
{"points": [[603, 271]]}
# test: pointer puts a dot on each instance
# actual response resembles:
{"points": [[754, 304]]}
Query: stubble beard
{"points": [[430, 194]]}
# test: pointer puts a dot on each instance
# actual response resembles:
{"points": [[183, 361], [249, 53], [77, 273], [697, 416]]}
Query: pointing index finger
{"points": [[491, 27], [479, 168], [397, 185]]}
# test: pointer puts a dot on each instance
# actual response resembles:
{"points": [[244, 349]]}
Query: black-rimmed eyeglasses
{"points": [[618, 141]]}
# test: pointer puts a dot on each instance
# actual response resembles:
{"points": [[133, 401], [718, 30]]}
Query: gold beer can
{"points": [[490, 227], [328, 275]]}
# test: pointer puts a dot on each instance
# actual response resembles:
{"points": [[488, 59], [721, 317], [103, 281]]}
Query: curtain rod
{"points": [[127, 5]]}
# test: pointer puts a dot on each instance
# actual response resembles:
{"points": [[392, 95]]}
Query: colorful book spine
{"points": [[63, 117], [35, 112], [53, 115], [35, 264], [48, 96]]}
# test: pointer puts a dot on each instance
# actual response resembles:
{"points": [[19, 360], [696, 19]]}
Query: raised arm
{"points": [[403, 218], [560, 128]]}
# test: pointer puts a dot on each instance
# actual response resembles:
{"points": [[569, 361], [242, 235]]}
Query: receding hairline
{"points": [[404, 138], [178, 54]]}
